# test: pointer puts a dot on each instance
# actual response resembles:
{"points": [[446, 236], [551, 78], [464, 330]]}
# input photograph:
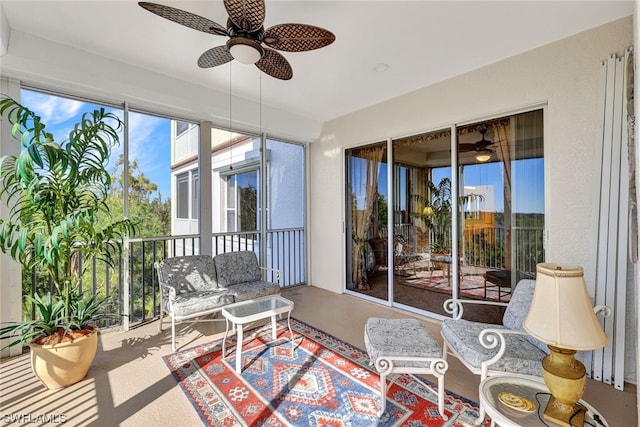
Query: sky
{"points": [[528, 183], [149, 136]]}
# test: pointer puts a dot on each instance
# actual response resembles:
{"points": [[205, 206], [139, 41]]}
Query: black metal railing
{"points": [[132, 283]]}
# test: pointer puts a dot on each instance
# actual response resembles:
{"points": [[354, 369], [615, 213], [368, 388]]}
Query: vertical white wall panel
{"points": [[610, 260], [10, 270]]}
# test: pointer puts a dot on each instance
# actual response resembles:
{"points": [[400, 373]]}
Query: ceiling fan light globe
{"points": [[483, 157], [245, 50]]}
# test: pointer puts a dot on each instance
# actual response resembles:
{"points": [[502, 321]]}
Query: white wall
{"points": [[10, 270], [562, 75], [636, 84]]}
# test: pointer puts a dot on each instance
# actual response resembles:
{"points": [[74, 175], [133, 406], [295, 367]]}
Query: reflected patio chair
{"points": [[403, 254], [378, 248]]}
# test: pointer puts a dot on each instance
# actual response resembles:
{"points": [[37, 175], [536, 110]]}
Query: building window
{"points": [[187, 185], [181, 127], [195, 192], [242, 201]]}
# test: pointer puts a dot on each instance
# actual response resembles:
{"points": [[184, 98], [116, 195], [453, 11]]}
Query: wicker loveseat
{"points": [[195, 286]]}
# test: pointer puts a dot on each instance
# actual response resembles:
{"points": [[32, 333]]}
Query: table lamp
{"points": [[562, 316]]}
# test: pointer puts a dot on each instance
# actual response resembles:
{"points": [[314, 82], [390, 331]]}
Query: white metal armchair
{"points": [[487, 349]]}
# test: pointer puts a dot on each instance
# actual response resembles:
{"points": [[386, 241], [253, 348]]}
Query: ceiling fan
{"points": [[248, 41], [481, 146]]}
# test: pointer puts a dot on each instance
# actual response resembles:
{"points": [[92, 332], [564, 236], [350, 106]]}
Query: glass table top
{"points": [[265, 306]]}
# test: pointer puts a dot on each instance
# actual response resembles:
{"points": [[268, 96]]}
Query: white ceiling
{"points": [[422, 42]]}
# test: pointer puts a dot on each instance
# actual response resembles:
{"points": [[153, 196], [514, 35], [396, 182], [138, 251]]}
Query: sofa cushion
{"points": [[237, 267], [250, 290], [199, 302], [188, 273], [520, 356]]}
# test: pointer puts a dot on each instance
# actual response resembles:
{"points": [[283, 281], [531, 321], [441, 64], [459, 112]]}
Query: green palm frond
{"points": [[56, 192]]}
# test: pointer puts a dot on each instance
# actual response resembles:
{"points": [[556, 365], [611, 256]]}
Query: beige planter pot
{"points": [[63, 364]]}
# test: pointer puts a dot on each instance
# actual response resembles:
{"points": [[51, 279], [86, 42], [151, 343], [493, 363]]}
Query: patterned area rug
{"points": [[471, 287], [323, 382]]}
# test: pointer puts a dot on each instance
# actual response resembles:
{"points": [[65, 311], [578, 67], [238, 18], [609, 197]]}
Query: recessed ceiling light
{"points": [[381, 67]]}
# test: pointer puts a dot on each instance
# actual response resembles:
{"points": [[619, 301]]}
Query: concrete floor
{"points": [[129, 384]]}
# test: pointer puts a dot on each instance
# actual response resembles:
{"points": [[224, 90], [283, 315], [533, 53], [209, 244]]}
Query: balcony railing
{"points": [[132, 283], [484, 246]]}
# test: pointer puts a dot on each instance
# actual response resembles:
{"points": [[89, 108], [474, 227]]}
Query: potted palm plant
{"points": [[57, 193], [436, 215]]}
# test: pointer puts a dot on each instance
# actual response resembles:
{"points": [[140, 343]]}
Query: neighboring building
{"points": [[237, 195]]}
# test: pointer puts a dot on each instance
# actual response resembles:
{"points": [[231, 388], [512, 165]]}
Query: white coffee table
{"points": [[242, 313], [531, 388]]}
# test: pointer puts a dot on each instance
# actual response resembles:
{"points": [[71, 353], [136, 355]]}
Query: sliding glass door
{"points": [[422, 215], [366, 218], [402, 224], [501, 221]]}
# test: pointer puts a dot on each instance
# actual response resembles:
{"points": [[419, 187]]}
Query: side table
{"points": [[249, 311], [530, 388]]}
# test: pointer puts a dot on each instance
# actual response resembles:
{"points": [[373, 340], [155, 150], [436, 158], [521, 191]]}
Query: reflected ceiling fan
{"points": [[248, 41], [481, 146]]}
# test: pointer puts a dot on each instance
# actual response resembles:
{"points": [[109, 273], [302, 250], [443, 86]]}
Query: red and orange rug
{"points": [[323, 382]]}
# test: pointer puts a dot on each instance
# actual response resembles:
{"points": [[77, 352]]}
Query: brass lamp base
{"points": [[566, 379], [557, 414]]}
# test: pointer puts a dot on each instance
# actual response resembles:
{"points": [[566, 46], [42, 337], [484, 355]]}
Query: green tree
{"points": [[382, 210], [152, 215], [149, 212], [248, 208]]}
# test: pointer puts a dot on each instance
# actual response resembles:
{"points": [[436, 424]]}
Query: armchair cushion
{"points": [[523, 354], [520, 355], [518, 309], [237, 267]]}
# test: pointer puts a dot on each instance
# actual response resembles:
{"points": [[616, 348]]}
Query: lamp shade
{"points": [[427, 211], [561, 312]]}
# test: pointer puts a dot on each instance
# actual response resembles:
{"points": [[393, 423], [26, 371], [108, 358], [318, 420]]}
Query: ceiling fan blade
{"points": [[297, 37], [275, 65], [247, 15], [185, 18], [215, 56], [463, 148]]}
